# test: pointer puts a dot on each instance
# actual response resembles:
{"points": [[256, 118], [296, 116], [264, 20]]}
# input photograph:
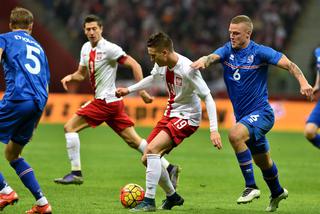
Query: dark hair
{"points": [[160, 41], [92, 18], [20, 18]]}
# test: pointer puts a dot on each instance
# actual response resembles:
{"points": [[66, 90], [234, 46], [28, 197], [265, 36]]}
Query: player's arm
{"points": [[305, 87], [143, 84], [316, 86], [137, 73], [204, 93], [1, 51], [79, 75], [205, 61]]}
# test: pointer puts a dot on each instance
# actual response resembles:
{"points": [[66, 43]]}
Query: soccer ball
{"points": [[131, 195]]}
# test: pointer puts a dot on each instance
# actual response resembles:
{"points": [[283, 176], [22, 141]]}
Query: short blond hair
{"points": [[20, 18], [243, 19]]}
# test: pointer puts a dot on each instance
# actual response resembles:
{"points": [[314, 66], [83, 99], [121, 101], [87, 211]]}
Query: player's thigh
{"points": [[258, 123], [75, 124], [13, 150], [160, 144], [314, 117]]}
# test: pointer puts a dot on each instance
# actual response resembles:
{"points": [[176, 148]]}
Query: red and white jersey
{"points": [[184, 85], [101, 63]]}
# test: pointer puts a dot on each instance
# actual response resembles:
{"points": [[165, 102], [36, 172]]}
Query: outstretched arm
{"points": [[305, 87], [144, 83], [205, 61], [137, 73], [79, 75]]}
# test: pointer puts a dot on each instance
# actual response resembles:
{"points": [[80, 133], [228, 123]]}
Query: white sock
{"points": [[42, 201], [153, 174], [6, 190], [166, 183], [143, 145], [73, 148]]}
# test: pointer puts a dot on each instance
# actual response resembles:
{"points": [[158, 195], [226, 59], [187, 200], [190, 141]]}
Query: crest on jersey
{"points": [[99, 55], [231, 57], [250, 59], [178, 81]]}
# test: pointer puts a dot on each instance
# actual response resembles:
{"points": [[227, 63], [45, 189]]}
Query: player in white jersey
{"points": [[100, 58], [181, 117]]}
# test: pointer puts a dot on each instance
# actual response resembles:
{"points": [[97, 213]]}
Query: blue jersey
{"points": [[245, 75], [26, 68], [317, 55]]}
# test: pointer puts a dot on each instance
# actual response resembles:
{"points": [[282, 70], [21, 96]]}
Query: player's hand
{"points": [[200, 63], [120, 92], [307, 90], [216, 139], [147, 98], [65, 80]]}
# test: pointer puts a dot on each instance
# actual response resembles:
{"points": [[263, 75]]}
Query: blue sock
{"points": [[271, 178], [3, 182], [245, 162], [316, 141], [25, 172]]}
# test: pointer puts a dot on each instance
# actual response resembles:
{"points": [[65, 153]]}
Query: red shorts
{"points": [[178, 129], [98, 111]]}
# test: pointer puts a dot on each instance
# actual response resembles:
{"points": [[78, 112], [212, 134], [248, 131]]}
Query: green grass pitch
{"points": [[210, 180]]}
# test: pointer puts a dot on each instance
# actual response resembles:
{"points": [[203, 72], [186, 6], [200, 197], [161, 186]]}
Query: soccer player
{"points": [[181, 117], [100, 58], [245, 66], [26, 74], [313, 122]]}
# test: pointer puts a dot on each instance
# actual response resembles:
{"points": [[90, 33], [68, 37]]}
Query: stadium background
{"points": [[197, 27]]}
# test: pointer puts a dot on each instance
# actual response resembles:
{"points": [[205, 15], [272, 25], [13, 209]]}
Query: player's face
{"points": [[157, 56], [239, 35], [93, 32]]}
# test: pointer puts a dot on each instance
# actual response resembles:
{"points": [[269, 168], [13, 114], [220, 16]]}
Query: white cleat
{"points": [[248, 195], [274, 202]]}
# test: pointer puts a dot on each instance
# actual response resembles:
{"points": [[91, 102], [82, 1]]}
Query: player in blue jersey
{"points": [[313, 122], [245, 66], [26, 74]]}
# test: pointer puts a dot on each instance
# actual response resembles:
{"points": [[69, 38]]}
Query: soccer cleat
{"points": [[274, 202], [144, 207], [167, 204], [6, 199], [174, 176], [69, 179], [248, 195], [45, 209]]}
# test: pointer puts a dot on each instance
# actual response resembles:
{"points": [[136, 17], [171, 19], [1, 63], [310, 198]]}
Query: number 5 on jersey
{"points": [[31, 56]]}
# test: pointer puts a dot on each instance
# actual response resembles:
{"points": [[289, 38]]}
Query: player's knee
{"points": [[309, 134], [234, 137], [11, 156]]}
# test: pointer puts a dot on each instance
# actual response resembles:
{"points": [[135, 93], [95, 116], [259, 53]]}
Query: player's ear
{"points": [[10, 26], [30, 28]]}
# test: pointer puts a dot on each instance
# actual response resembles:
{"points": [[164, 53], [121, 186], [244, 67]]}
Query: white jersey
{"points": [[101, 63], [185, 85]]}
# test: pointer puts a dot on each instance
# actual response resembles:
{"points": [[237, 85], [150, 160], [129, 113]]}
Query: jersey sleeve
{"points": [[199, 84], [82, 55], [269, 55], [155, 72], [114, 52], [222, 52], [2, 42], [317, 55]]}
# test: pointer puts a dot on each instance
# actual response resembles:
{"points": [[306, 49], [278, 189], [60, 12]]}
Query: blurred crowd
{"points": [[196, 26]]}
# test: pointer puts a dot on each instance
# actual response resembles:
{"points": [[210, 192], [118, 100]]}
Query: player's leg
{"points": [[130, 136], [71, 128], [151, 158], [312, 125], [27, 176], [7, 194], [270, 175], [311, 133], [238, 135]]}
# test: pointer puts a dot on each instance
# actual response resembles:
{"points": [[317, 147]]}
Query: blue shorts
{"points": [[18, 120], [315, 115], [258, 123]]}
